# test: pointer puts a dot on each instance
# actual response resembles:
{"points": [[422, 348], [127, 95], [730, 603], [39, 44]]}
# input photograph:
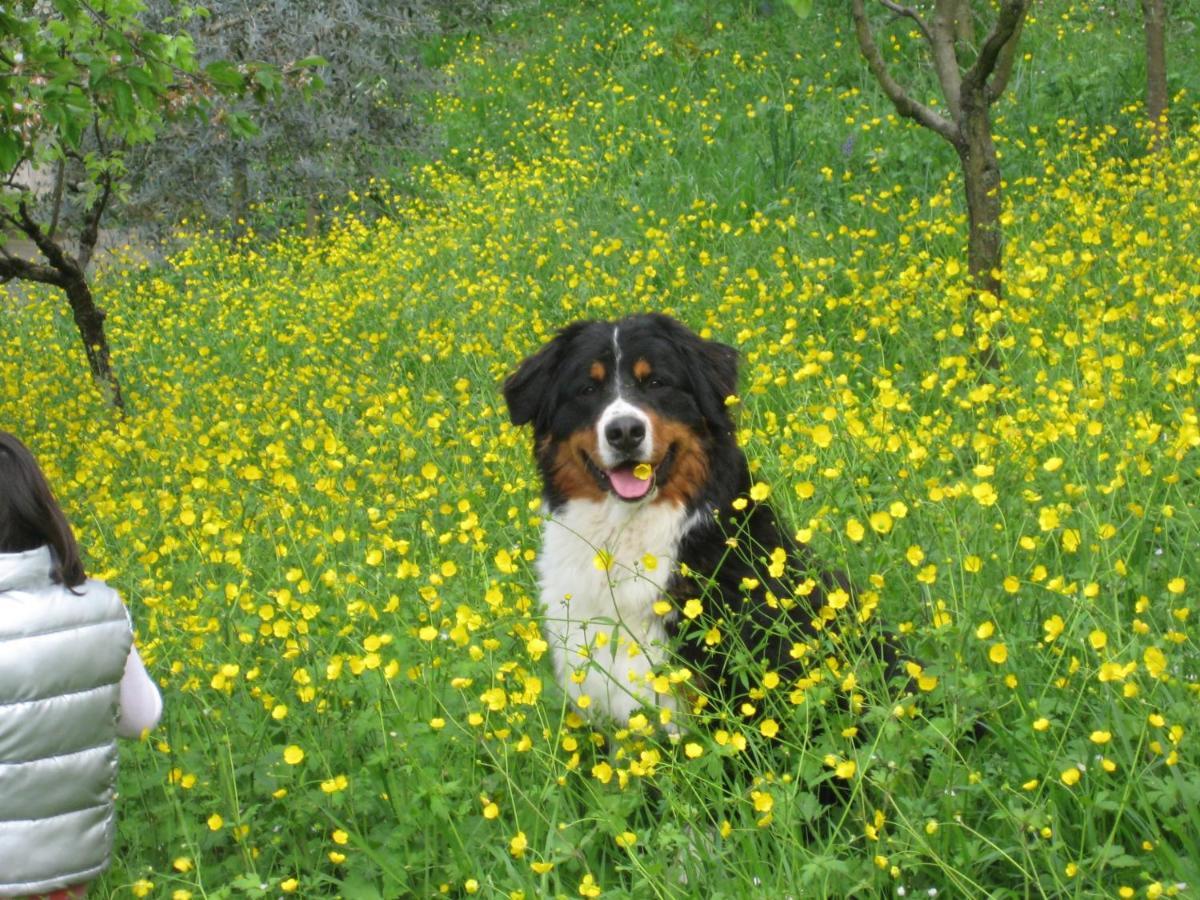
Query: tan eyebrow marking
{"points": [[642, 369], [598, 371]]}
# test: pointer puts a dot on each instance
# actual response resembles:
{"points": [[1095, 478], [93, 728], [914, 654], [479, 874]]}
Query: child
{"points": [[70, 683]]}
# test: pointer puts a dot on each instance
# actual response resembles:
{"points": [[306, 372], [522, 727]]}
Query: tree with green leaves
{"points": [[972, 65], [81, 82]]}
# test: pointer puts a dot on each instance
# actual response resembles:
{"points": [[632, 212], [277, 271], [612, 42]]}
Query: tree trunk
{"points": [[239, 199], [1155, 19], [964, 25], [70, 275], [969, 94], [89, 319], [981, 181], [312, 218]]}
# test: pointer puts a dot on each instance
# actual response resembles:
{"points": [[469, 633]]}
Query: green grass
{"points": [[324, 524]]}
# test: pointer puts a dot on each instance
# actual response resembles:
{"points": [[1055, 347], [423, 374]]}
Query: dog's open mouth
{"points": [[631, 480]]}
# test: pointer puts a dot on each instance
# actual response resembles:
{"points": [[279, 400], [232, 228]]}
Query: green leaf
{"points": [[11, 151], [224, 76], [267, 77], [68, 9], [356, 888], [802, 8], [247, 885], [123, 105], [142, 76], [59, 29], [241, 125]]}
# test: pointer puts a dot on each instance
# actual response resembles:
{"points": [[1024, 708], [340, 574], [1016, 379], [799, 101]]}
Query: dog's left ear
{"points": [[527, 390]]}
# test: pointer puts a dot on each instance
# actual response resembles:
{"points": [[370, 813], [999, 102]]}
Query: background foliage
{"points": [[324, 524], [307, 152]]}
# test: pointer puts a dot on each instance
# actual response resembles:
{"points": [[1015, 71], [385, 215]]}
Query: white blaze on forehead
{"points": [[619, 408]]}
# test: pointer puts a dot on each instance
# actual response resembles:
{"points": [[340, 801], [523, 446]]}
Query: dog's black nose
{"points": [[625, 433]]}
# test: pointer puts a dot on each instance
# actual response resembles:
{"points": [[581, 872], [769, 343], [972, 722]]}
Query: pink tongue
{"points": [[627, 485]]}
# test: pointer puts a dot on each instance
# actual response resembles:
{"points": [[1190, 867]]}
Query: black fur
{"points": [[726, 552], [554, 391]]}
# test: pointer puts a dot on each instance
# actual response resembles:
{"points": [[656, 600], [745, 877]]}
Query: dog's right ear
{"points": [[527, 391]]}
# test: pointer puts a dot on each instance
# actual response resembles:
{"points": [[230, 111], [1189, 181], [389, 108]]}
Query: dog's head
{"points": [[628, 409]]}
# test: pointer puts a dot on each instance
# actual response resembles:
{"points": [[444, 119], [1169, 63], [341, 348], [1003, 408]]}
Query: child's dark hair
{"points": [[30, 517]]}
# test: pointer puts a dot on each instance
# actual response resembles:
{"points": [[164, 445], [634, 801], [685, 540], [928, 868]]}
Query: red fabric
{"points": [[78, 892]]}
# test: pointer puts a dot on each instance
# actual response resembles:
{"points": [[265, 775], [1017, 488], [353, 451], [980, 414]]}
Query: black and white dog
{"points": [[654, 552]]}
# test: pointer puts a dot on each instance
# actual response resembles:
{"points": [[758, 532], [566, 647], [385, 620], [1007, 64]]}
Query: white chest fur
{"points": [[602, 567]]}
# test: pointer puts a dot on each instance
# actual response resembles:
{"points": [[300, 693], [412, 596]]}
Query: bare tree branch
{"points": [[56, 198], [905, 104], [1004, 32], [218, 24], [14, 267], [945, 57], [1004, 65], [10, 180], [91, 222], [907, 12], [60, 261], [964, 24]]}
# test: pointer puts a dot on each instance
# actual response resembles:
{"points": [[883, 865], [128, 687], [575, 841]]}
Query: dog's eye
{"points": [[656, 383], [588, 389]]}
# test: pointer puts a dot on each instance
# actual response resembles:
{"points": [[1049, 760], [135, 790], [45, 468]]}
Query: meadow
{"points": [[324, 524]]}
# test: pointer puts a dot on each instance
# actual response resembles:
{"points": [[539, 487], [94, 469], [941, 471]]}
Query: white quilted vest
{"points": [[62, 656]]}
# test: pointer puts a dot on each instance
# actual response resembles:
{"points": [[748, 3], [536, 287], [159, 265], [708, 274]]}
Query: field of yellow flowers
{"points": [[324, 525]]}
